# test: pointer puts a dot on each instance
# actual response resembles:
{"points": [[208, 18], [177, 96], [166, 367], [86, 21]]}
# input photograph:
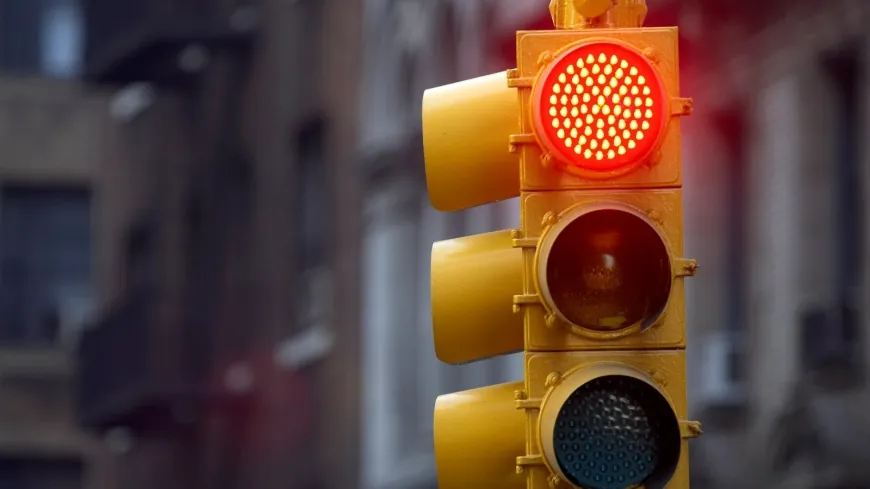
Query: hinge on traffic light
{"points": [[682, 106], [525, 300], [528, 461], [521, 242], [516, 140], [516, 81], [690, 429], [684, 267]]}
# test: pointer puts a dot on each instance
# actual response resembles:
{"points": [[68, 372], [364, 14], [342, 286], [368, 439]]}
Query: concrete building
{"points": [[225, 350], [50, 140]]}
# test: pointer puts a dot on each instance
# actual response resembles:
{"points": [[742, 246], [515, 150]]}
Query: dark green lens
{"points": [[615, 433]]}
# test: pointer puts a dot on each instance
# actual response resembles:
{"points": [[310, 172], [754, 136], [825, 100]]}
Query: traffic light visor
{"points": [[600, 106], [605, 269], [611, 430]]}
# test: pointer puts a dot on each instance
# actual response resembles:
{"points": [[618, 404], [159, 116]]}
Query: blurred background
{"points": [[215, 237]]}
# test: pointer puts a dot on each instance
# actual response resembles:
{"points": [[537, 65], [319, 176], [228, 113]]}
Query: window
{"points": [[313, 193], [41, 37], [34, 473], [45, 261]]}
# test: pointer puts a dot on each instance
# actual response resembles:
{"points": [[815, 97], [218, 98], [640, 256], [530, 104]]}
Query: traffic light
{"points": [[586, 131]]}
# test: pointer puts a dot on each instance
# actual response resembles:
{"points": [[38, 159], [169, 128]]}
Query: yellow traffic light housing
{"points": [[586, 132]]}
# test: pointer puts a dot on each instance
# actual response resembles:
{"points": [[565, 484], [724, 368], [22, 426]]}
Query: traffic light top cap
{"points": [[589, 14]]}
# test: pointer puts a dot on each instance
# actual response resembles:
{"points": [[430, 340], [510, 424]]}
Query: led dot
{"points": [[554, 99], [596, 91], [639, 136], [622, 124], [580, 63], [578, 149], [590, 119], [589, 82], [637, 114], [569, 143], [578, 123], [553, 112], [632, 144], [596, 70], [600, 124], [617, 141], [564, 99], [648, 114], [561, 133], [627, 102], [587, 98], [578, 88], [555, 122], [611, 120], [621, 150], [601, 100], [641, 80], [617, 110], [633, 71], [602, 79], [605, 145], [599, 155], [638, 102], [649, 102], [610, 132], [635, 90], [593, 144], [600, 134], [608, 70], [588, 154], [611, 154], [615, 99], [590, 59], [623, 90], [627, 80], [633, 125], [567, 123], [584, 73], [562, 78], [608, 91], [626, 134], [623, 64], [646, 91], [614, 60], [569, 88], [602, 58], [596, 109], [575, 100], [575, 112], [557, 88], [575, 79], [619, 73], [583, 140], [570, 69], [584, 109], [587, 131], [605, 109], [645, 125], [626, 114]]}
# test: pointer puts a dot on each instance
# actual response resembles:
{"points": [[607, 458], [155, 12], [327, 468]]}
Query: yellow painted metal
{"points": [[466, 132], [474, 280], [478, 436]]}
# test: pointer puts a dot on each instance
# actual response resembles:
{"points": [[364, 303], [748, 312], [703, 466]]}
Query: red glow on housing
{"points": [[601, 106]]}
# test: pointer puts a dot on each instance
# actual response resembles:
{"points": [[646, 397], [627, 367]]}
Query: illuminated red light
{"points": [[600, 106]]}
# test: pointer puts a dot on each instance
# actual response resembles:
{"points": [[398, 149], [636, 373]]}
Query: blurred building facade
{"points": [[50, 138], [225, 351]]}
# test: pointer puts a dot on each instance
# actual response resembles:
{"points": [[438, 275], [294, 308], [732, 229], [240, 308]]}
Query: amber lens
{"points": [[609, 270]]}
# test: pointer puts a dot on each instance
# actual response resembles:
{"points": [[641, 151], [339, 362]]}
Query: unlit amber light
{"points": [[601, 106]]}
